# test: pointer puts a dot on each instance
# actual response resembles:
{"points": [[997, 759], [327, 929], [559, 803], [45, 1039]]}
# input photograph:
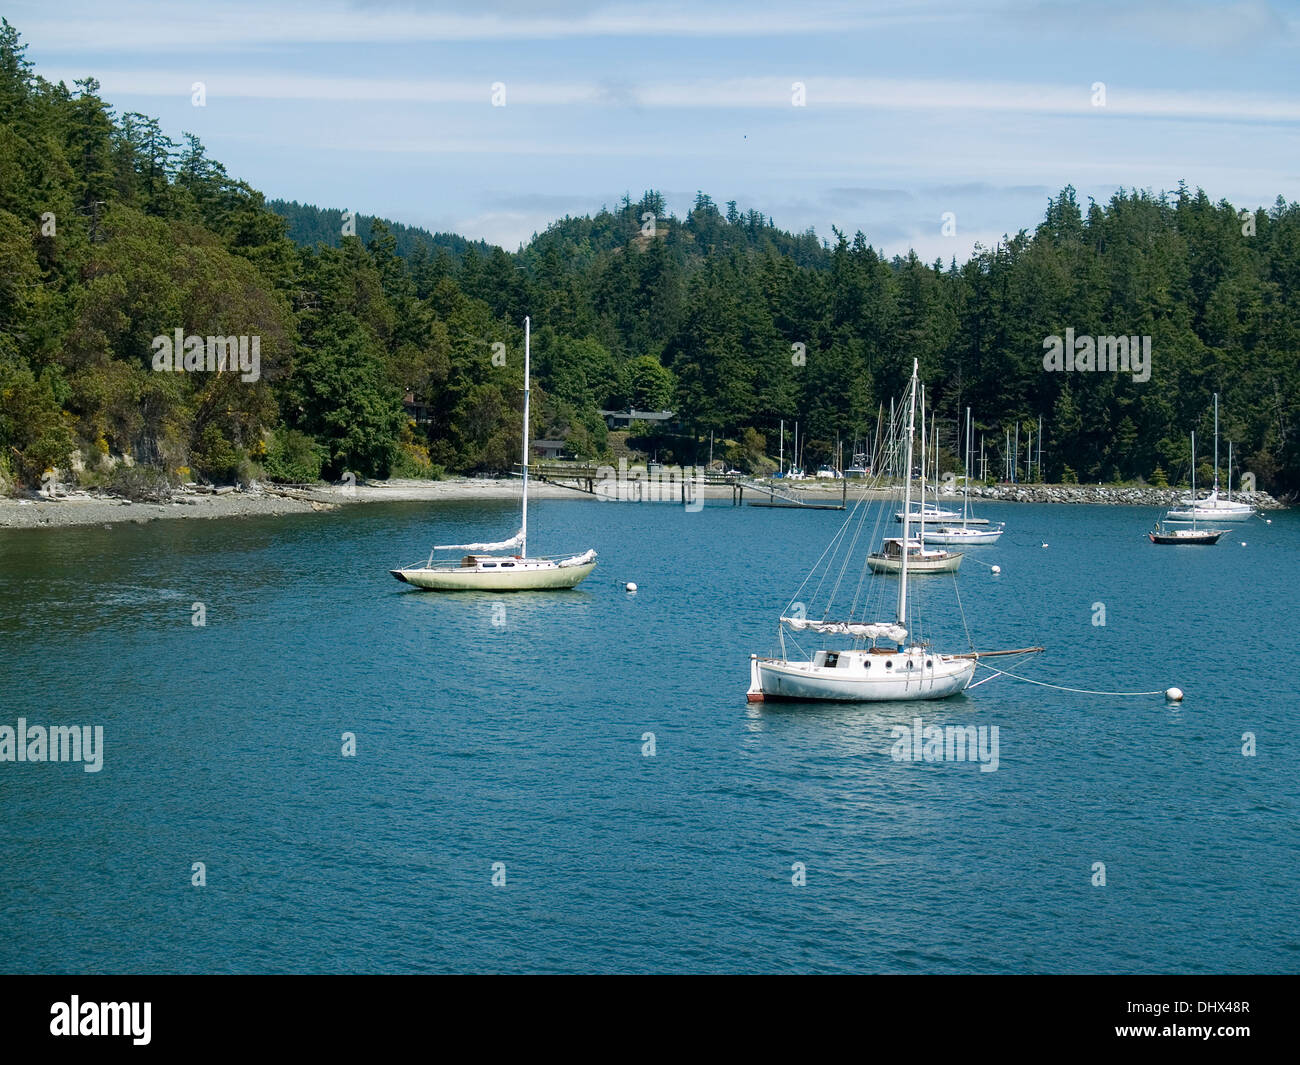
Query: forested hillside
{"points": [[112, 234]]}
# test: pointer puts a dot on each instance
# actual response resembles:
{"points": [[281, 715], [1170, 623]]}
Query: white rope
{"points": [[1061, 687]]}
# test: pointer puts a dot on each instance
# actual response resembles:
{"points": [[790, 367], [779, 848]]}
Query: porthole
{"points": [[929, 663], [889, 663]]}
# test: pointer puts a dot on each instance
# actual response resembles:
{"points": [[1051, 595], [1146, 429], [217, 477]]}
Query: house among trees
{"points": [[416, 409], [548, 449], [662, 419]]}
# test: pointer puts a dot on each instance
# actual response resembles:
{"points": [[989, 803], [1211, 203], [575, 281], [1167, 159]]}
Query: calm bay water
{"points": [[521, 743]]}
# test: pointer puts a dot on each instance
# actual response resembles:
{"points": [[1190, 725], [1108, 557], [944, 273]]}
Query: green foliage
{"points": [[215, 458], [293, 457]]}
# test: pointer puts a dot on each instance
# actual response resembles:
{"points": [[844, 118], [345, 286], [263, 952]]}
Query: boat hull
{"points": [[931, 676], [1208, 514], [957, 536], [522, 578], [1190, 539], [886, 564]]}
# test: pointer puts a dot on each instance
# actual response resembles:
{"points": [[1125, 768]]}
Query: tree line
{"points": [[112, 233]]}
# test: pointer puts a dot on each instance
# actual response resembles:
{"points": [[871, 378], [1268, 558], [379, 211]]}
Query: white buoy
{"points": [[630, 586], [1174, 695], [1243, 543], [1044, 545], [1268, 521], [997, 569]]}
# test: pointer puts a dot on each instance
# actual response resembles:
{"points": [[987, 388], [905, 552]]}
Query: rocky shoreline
{"points": [[1119, 495], [84, 508]]}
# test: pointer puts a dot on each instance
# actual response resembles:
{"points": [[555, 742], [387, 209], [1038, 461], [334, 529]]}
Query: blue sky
{"points": [[982, 109]]}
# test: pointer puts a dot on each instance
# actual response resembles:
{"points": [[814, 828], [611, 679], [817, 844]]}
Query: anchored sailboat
{"points": [[1167, 534], [481, 569], [968, 531], [1212, 508], [908, 670]]}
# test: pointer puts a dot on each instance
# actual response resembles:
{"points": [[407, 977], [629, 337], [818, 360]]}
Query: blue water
{"points": [[516, 737]]}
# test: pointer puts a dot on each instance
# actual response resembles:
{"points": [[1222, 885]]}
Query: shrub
{"points": [[293, 457], [140, 484]]}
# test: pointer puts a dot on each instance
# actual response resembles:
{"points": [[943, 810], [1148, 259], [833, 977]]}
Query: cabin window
{"points": [[488, 565], [505, 564]]}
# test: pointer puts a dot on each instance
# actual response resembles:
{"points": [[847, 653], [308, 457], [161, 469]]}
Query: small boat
{"points": [[889, 559], [928, 515], [1212, 508], [961, 534], [967, 532], [1165, 534], [481, 569]]}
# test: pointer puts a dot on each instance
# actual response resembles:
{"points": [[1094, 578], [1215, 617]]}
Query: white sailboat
{"points": [[481, 568], [908, 670], [889, 559], [1212, 508], [967, 532]]}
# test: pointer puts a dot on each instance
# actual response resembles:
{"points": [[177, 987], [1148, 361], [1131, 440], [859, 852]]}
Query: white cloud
{"points": [[773, 93]]}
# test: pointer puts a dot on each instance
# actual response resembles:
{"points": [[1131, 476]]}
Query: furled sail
{"points": [[873, 631], [504, 545], [577, 560]]}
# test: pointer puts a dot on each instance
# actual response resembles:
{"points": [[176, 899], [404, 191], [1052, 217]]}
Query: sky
{"points": [[924, 125]]}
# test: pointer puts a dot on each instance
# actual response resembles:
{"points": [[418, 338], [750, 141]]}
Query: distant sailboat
{"points": [[481, 569], [1165, 534], [968, 531], [1212, 508]]}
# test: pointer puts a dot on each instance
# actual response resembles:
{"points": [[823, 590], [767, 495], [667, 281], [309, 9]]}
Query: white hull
{"points": [[861, 676], [958, 535], [507, 575], [934, 515], [1223, 512], [949, 563]]}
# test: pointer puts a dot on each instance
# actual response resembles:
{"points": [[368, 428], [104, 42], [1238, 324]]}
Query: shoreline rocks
{"points": [[1120, 495]]}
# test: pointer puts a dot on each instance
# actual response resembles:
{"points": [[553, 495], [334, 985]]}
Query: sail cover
{"points": [[577, 560], [504, 545], [874, 631]]}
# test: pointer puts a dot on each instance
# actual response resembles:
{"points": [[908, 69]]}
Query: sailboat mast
{"points": [[907, 500], [1216, 447], [1229, 471], [965, 508], [1193, 479], [908, 472], [523, 524]]}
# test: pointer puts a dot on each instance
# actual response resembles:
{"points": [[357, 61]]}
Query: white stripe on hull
{"points": [[516, 579]]}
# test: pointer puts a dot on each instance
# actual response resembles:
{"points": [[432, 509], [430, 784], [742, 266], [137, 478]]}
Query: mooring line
{"points": [[1061, 687]]}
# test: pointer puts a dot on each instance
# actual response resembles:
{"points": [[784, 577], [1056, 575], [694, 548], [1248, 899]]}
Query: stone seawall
{"points": [[1101, 493]]}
